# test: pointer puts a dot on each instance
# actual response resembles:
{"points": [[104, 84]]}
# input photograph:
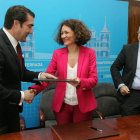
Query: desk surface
{"points": [[128, 127]]}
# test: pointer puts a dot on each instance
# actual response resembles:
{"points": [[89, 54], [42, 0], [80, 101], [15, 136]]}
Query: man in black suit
{"points": [[17, 26], [128, 83]]}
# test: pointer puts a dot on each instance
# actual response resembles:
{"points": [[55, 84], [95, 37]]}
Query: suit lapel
{"points": [[65, 61], [134, 56], [10, 47], [80, 60]]}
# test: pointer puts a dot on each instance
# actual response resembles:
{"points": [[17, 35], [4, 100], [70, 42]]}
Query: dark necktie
{"points": [[19, 53]]}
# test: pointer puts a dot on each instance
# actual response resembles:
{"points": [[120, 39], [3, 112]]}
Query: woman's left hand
{"points": [[75, 84]]}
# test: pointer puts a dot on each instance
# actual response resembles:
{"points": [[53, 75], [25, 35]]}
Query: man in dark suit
{"points": [[128, 83], [17, 26]]}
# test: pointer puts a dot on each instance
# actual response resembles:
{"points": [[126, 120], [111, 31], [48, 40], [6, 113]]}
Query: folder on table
{"points": [[81, 130]]}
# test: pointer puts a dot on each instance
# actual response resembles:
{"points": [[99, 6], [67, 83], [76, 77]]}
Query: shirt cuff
{"points": [[22, 98], [39, 75], [120, 85]]}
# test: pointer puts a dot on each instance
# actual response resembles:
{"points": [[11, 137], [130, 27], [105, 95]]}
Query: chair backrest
{"points": [[105, 94], [46, 101]]}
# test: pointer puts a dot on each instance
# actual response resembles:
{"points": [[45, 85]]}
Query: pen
{"points": [[95, 128]]}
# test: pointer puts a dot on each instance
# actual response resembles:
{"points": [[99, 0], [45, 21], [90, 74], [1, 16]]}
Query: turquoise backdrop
{"points": [[107, 19]]}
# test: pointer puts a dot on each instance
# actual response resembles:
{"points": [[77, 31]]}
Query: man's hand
{"points": [[29, 95], [47, 76], [75, 84], [124, 90]]}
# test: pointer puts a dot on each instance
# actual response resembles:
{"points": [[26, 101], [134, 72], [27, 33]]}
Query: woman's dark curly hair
{"points": [[81, 32]]}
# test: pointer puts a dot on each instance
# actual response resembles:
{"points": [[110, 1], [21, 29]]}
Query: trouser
{"points": [[14, 126], [131, 105], [70, 114]]}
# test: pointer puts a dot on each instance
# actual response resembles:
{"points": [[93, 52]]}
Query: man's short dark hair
{"points": [[17, 12]]}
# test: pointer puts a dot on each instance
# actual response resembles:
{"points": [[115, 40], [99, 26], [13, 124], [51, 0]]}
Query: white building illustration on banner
{"points": [[28, 47], [101, 45]]}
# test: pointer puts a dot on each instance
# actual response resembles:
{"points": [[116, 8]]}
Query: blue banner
{"points": [[108, 21]]}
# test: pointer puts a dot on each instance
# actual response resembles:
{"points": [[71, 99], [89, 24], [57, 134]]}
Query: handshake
{"points": [[29, 95]]}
